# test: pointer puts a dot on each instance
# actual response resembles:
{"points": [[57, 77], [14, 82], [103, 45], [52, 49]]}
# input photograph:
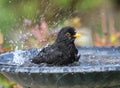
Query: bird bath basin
{"points": [[98, 67]]}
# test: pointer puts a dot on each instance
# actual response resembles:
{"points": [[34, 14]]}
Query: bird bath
{"points": [[98, 67]]}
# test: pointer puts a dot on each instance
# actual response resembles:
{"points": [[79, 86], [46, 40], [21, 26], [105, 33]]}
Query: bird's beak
{"points": [[77, 35]]}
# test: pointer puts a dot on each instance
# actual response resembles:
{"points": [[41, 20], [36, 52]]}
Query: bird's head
{"points": [[67, 35]]}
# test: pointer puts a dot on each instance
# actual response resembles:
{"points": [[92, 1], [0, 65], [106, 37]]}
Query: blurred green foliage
{"points": [[29, 9], [6, 83], [14, 11], [6, 17], [62, 3], [88, 4]]}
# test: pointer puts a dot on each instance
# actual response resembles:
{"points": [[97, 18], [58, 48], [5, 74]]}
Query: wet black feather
{"points": [[62, 52]]}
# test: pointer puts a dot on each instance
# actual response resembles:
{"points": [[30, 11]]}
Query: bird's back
{"points": [[49, 55]]}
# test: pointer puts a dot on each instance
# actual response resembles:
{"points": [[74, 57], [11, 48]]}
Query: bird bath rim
{"points": [[65, 69]]}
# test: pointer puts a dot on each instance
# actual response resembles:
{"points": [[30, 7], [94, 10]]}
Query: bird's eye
{"points": [[68, 34]]}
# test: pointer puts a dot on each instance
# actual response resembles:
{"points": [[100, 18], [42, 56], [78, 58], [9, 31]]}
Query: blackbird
{"points": [[62, 52]]}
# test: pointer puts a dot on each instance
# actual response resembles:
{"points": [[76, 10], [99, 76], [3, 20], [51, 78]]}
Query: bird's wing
{"points": [[49, 55]]}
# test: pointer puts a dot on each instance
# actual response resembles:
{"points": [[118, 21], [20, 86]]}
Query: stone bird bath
{"points": [[98, 67]]}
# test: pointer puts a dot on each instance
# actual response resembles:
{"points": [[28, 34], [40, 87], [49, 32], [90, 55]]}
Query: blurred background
{"points": [[28, 24]]}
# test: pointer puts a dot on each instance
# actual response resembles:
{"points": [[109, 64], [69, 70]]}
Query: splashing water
{"points": [[18, 57], [21, 57], [18, 40]]}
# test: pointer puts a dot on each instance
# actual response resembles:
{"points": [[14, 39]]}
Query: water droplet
{"points": [[10, 1], [93, 56]]}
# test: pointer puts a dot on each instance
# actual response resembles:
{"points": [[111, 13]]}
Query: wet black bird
{"points": [[63, 50]]}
